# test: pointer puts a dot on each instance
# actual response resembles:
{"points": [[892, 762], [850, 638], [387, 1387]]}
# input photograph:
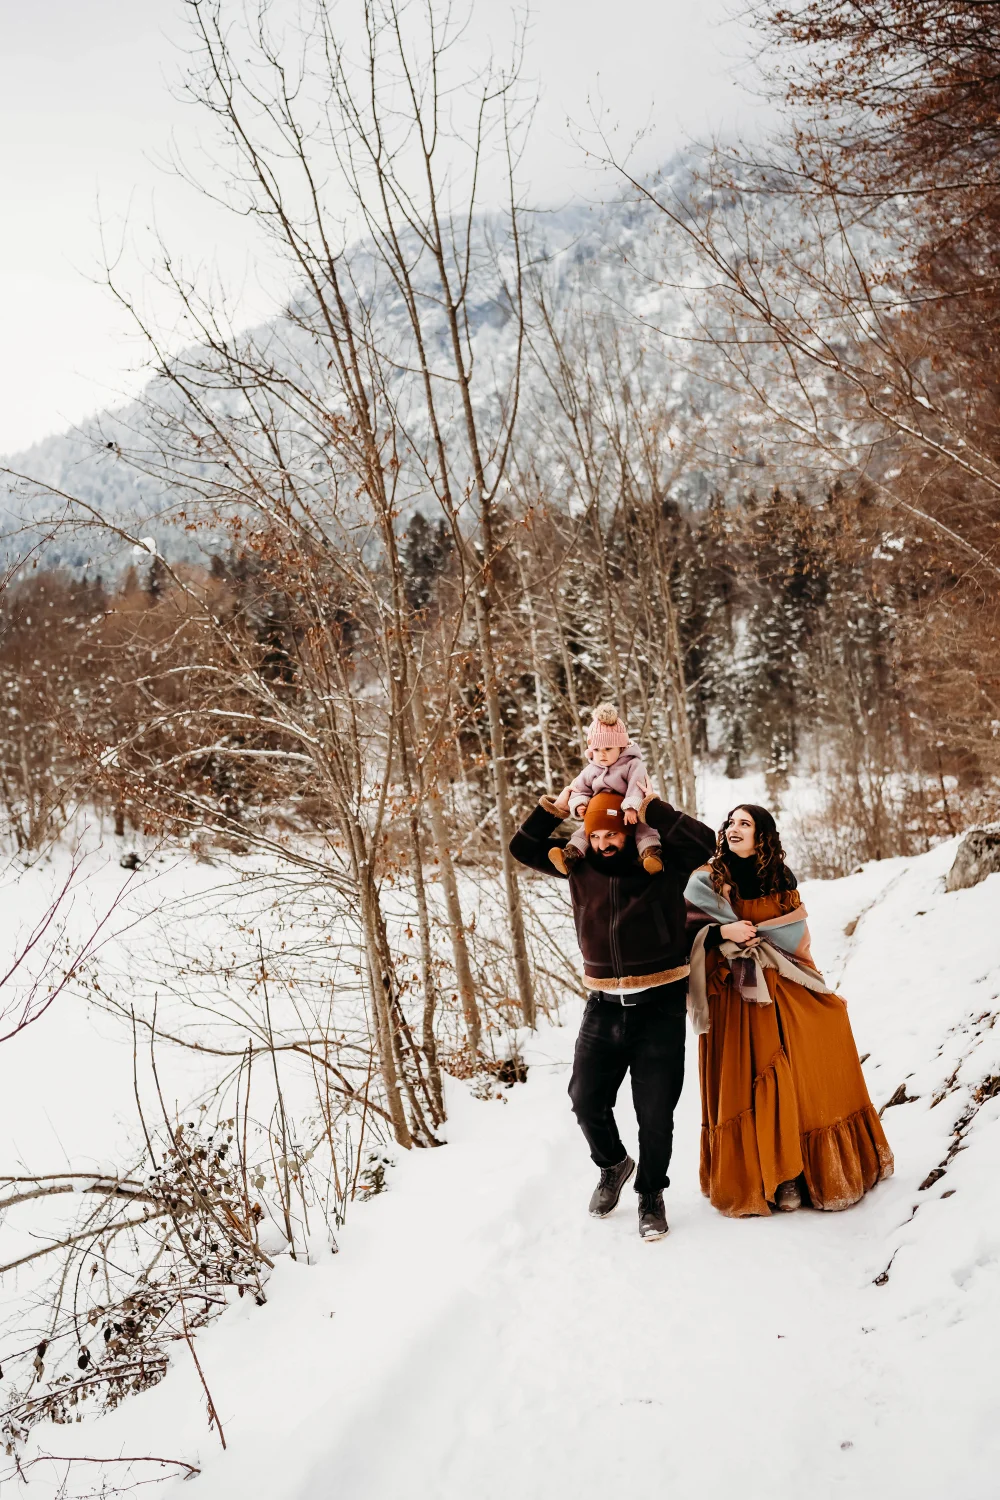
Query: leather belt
{"points": [[640, 999]]}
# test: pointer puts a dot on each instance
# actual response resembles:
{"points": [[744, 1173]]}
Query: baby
{"points": [[615, 766]]}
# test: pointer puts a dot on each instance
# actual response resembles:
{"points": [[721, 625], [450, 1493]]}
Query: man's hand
{"points": [[561, 802], [631, 816], [744, 933]]}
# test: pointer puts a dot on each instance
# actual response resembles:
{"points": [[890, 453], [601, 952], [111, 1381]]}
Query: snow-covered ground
{"points": [[479, 1335]]}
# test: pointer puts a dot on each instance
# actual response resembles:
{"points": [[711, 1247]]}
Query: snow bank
{"points": [[479, 1335]]}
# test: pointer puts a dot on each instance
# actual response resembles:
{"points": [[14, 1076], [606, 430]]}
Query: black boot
{"points": [[652, 1217], [609, 1189]]}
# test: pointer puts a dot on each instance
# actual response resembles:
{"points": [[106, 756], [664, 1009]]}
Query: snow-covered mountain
{"points": [[609, 258]]}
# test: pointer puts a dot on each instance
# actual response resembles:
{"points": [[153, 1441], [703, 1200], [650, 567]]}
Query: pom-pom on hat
{"points": [[607, 732], [604, 810]]}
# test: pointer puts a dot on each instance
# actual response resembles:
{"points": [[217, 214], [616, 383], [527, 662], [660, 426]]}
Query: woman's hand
{"points": [[744, 933], [631, 816]]}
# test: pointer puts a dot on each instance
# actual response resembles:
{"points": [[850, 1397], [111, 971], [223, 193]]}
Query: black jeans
{"points": [[646, 1040]]}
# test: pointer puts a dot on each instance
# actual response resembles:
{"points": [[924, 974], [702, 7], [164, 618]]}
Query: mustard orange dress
{"points": [[782, 1092]]}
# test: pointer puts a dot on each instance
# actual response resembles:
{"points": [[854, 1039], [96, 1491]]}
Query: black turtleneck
{"points": [[746, 879], [745, 875]]}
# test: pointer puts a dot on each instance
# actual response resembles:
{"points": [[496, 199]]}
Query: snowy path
{"points": [[576, 1361], [489, 1339], [479, 1336]]}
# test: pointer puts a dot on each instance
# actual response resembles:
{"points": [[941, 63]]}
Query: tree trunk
{"points": [[398, 1028], [567, 666], [483, 597], [381, 992], [428, 1039], [453, 905], [505, 823], [683, 749], [541, 713], [608, 605]]}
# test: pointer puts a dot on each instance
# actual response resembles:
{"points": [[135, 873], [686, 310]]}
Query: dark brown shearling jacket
{"points": [[631, 926]]}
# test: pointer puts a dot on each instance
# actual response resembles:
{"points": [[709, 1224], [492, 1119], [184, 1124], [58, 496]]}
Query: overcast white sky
{"points": [[86, 113]]}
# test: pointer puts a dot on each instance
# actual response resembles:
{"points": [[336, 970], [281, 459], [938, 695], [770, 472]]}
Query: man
{"points": [[631, 931]]}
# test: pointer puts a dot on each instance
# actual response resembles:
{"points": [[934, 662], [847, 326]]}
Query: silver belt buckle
{"points": [[630, 1003]]}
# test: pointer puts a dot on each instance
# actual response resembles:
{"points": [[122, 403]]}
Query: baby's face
{"points": [[608, 756]]}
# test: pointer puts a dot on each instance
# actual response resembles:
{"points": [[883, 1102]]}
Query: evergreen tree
{"points": [[425, 550]]}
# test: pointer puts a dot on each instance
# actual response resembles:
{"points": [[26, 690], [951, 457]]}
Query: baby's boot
{"points": [[651, 861], [564, 858]]}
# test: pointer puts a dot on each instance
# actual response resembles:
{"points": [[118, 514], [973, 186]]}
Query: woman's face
{"points": [[740, 833]]}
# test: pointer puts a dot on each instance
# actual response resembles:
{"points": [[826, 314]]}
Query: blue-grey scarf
{"points": [[784, 949]]}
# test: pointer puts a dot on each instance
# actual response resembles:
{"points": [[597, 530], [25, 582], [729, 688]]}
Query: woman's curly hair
{"points": [[774, 874]]}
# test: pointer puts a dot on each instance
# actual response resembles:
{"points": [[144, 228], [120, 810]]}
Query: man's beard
{"points": [[614, 859]]}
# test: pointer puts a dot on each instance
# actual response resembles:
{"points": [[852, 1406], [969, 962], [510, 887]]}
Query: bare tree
{"points": [[602, 463], [408, 139]]}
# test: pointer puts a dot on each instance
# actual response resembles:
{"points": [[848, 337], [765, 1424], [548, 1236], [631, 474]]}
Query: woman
{"points": [[783, 1097]]}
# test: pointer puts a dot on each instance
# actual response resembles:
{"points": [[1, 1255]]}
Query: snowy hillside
{"points": [[584, 253], [479, 1335]]}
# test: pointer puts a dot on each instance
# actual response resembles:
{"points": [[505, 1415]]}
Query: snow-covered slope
{"points": [[480, 1336], [587, 256]]}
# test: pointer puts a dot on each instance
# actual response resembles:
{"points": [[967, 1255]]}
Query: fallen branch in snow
{"points": [[85, 1458], [70, 1182], [87, 1234], [213, 1415]]}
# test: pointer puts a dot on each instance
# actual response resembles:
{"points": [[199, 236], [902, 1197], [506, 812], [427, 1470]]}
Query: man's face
{"points": [[606, 842]]}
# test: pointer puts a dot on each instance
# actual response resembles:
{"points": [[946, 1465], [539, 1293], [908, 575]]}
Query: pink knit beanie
{"points": [[607, 732]]}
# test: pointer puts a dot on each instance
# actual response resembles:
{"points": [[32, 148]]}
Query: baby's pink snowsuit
{"points": [[628, 779]]}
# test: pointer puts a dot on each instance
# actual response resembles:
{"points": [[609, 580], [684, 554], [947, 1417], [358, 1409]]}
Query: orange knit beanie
{"points": [[604, 811]]}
